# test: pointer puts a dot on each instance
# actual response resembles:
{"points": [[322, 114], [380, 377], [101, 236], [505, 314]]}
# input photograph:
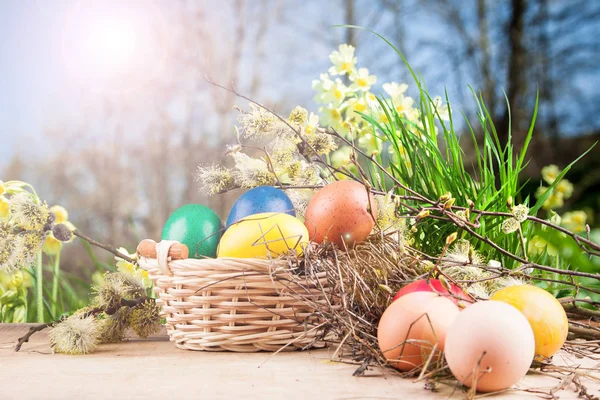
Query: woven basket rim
{"points": [[238, 304]]}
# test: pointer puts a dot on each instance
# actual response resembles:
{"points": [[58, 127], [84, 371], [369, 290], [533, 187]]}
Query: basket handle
{"points": [[163, 252], [147, 248], [162, 255]]}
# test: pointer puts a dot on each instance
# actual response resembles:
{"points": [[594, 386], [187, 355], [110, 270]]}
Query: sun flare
{"points": [[109, 47], [111, 43]]}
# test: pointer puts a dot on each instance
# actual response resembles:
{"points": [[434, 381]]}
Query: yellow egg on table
{"points": [[546, 316], [265, 235]]}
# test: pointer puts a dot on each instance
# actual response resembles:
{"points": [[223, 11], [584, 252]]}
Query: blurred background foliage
{"points": [[105, 108]]}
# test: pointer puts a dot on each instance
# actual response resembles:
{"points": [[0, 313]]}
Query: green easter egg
{"points": [[196, 226]]}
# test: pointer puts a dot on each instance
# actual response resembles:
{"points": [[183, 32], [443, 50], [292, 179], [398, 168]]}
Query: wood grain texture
{"points": [[155, 369]]}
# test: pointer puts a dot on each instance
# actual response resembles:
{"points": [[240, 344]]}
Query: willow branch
{"points": [[103, 246], [241, 96], [580, 240], [94, 311], [34, 329], [385, 171], [38, 328], [527, 264]]}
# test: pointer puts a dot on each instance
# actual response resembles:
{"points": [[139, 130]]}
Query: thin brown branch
{"points": [[584, 333], [103, 246], [34, 329], [38, 328], [304, 142]]}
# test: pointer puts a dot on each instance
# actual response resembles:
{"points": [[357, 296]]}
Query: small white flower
{"points": [[355, 106], [404, 105], [550, 173], [331, 116], [322, 87], [343, 60], [371, 99], [362, 80], [312, 124], [329, 91], [442, 109], [395, 90], [369, 142]]}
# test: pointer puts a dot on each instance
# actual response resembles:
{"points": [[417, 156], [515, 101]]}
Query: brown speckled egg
{"points": [[339, 213]]}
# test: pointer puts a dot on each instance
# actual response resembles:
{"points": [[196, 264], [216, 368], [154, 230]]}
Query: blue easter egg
{"points": [[260, 200]]}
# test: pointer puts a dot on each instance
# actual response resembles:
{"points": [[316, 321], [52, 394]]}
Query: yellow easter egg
{"points": [[546, 316], [264, 235]]}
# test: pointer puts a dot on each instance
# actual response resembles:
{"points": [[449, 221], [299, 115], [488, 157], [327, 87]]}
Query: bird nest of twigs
{"points": [[366, 277]]}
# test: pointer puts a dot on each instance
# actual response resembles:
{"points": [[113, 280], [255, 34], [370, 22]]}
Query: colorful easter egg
{"points": [[545, 314], [455, 294], [265, 235], [196, 226], [342, 212], [260, 200]]}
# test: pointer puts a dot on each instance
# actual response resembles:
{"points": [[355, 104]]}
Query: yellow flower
{"points": [[443, 109], [127, 268], [52, 246], [550, 172], [404, 105], [60, 213], [574, 221], [538, 245], [540, 191], [2, 188], [312, 124], [4, 207], [556, 200], [341, 156], [362, 80], [343, 60], [329, 91], [331, 116], [355, 106], [565, 187], [369, 142]]}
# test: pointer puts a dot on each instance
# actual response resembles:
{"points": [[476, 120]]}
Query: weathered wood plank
{"points": [[154, 368]]}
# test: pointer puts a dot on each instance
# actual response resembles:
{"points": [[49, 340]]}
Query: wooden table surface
{"points": [[155, 369]]}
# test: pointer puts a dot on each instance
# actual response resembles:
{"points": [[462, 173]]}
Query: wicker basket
{"points": [[236, 304]]}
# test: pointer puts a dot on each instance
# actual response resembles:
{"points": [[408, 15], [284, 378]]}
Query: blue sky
{"points": [[41, 85], [30, 74]]}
